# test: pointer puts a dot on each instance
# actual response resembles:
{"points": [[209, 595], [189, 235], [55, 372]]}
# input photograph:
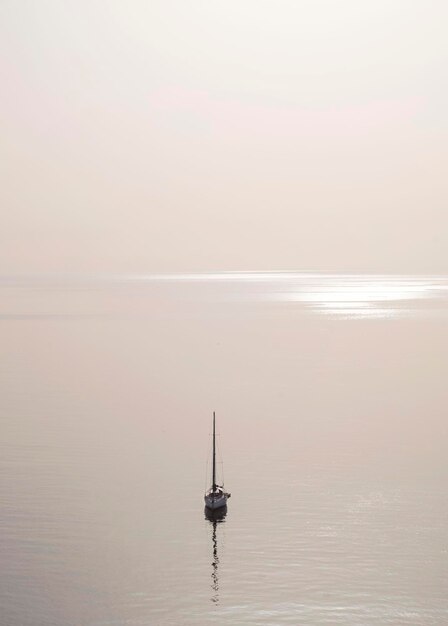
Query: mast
{"points": [[214, 456]]}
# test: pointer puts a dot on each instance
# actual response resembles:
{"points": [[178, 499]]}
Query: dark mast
{"points": [[214, 454]]}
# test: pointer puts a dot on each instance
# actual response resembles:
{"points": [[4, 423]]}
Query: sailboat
{"points": [[215, 497]]}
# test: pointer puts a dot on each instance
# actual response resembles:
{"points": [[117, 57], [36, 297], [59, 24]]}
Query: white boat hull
{"points": [[216, 502]]}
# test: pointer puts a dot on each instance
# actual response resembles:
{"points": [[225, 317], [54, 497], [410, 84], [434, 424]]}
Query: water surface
{"points": [[331, 401]]}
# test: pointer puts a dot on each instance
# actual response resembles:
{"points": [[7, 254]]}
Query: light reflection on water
{"points": [[339, 296], [345, 296], [366, 296]]}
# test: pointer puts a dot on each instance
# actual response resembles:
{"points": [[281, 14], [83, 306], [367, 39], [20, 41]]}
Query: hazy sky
{"points": [[191, 135]]}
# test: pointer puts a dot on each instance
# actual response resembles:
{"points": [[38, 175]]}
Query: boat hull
{"points": [[215, 515], [214, 503]]}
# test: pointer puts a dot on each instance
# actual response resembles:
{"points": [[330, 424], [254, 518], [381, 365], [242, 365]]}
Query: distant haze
{"points": [[251, 134]]}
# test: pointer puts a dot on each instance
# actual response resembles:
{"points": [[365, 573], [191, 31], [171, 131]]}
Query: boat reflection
{"points": [[215, 517]]}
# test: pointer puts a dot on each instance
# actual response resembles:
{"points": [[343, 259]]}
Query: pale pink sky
{"points": [[252, 134]]}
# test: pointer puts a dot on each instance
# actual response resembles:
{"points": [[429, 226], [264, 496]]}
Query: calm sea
{"points": [[331, 399]]}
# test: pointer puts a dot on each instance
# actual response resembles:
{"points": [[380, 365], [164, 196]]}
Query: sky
{"points": [[188, 135]]}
